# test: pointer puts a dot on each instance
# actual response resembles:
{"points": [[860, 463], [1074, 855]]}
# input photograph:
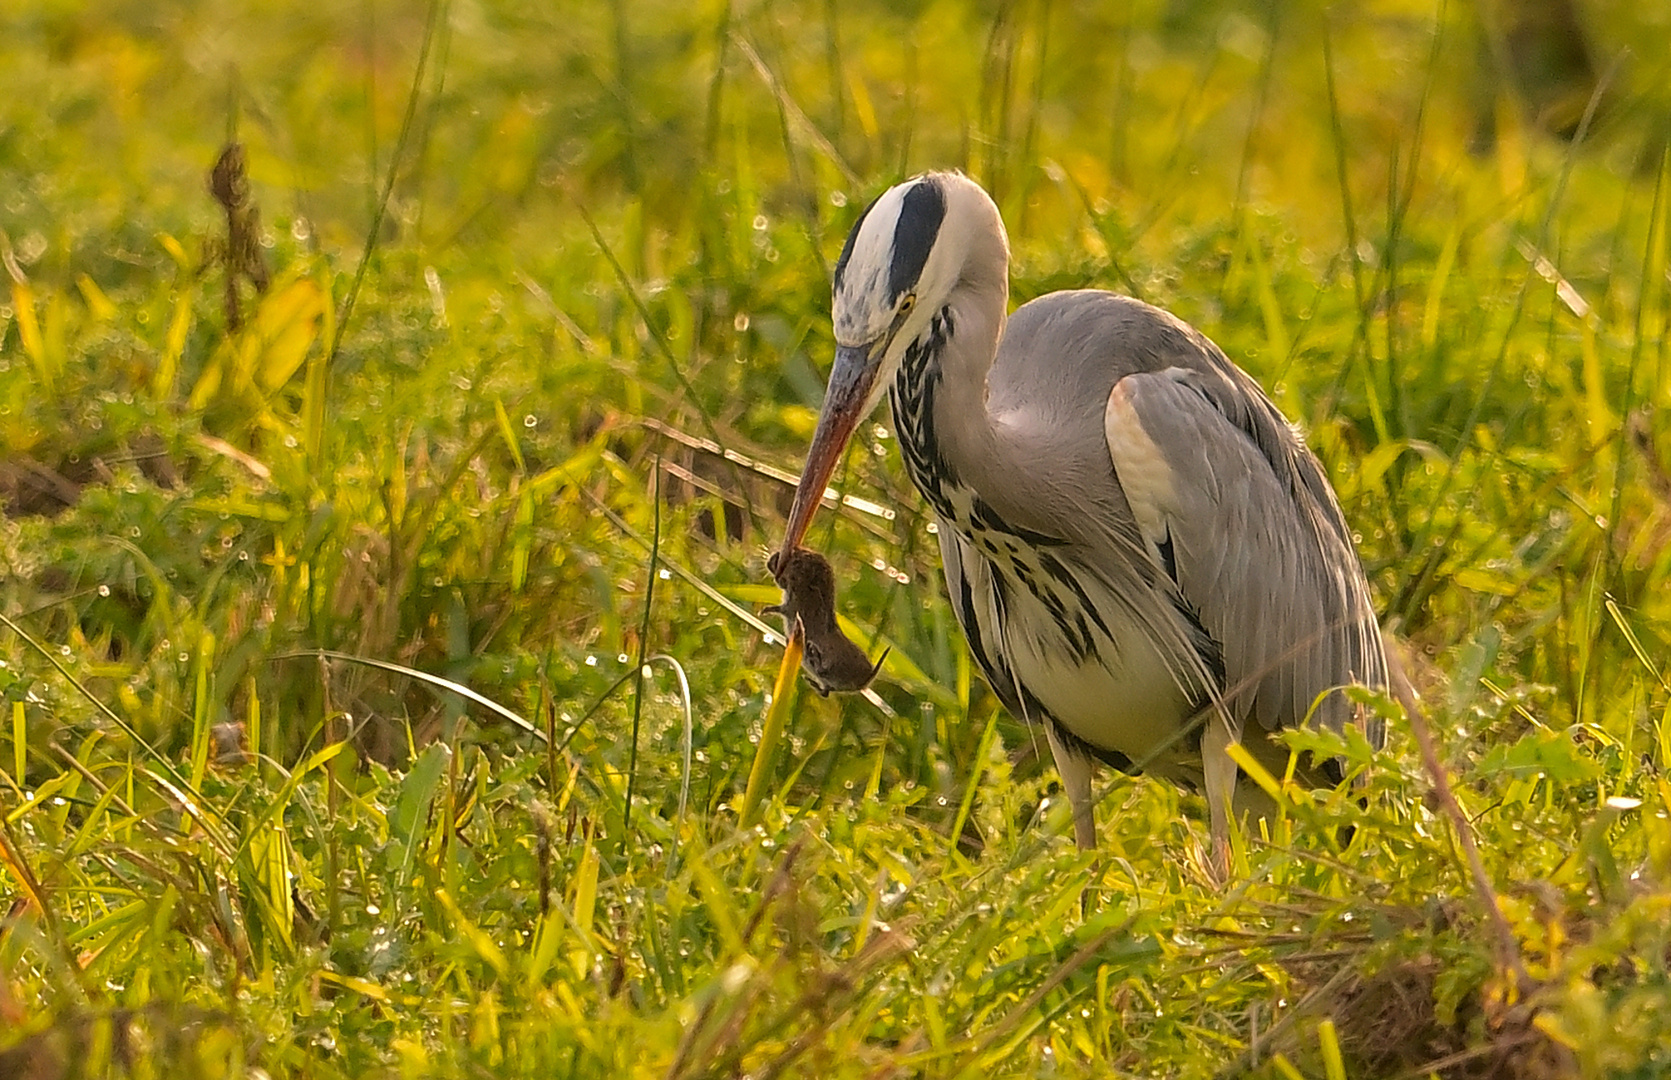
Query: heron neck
{"points": [[939, 396], [963, 423]]}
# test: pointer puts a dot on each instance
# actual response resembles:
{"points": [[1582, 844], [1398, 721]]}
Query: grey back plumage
{"points": [[1261, 550]]}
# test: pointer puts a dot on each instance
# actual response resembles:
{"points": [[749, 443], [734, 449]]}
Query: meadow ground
{"points": [[487, 364]]}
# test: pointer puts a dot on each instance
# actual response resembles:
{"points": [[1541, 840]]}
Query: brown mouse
{"points": [[831, 662]]}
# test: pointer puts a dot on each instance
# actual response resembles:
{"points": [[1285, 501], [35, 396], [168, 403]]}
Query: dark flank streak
{"points": [[1169, 558], [997, 677], [985, 517], [1053, 566], [1089, 749]]}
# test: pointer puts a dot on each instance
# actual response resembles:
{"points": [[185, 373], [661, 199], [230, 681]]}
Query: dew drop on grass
{"points": [[64, 650], [591, 661], [740, 323], [665, 575], [530, 421], [104, 590], [760, 223], [621, 658]]}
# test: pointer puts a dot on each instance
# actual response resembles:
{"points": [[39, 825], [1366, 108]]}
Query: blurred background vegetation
{"points": [[492, 358]]}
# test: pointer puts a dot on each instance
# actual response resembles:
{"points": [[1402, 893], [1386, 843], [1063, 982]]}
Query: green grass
{"points": [[540, 455]]}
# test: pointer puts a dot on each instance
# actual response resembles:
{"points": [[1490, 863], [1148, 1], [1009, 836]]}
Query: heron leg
{"points": [[1220, 770], [1075, 771]]}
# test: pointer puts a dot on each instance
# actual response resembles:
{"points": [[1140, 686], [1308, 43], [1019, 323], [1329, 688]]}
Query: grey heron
{"points": [[1142, 552]]}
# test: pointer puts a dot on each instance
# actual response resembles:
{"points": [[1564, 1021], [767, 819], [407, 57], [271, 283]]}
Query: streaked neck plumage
{"points": [[939, 391]]}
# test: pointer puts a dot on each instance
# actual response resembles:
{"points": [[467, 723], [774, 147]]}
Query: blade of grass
{"points": [[422, 676], [643, 650], [771, 729], [799, 119], [687, 737], [20, 747], [431, 21], [982, 749]]}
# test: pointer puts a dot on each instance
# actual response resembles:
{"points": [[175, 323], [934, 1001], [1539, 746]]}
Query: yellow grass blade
{"points": [[771, 732]]}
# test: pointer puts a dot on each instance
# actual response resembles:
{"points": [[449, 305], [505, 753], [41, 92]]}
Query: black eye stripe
{"points": [[920, 215]]}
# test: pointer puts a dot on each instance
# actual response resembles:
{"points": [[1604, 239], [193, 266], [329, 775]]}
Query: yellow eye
{"points": [[908, 303]]}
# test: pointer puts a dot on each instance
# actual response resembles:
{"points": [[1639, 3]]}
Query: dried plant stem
{"points": [[1508, 950]]}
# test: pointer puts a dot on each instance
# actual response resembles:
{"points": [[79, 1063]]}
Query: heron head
{"points": [[907, 254]]}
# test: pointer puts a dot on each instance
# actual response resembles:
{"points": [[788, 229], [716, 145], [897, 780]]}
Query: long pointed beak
{"points": [[846, 401]]}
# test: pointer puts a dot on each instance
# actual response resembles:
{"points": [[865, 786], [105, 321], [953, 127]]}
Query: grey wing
{"points": [[1239, 514]]}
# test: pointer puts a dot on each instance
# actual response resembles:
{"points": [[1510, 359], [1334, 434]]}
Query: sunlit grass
{"points": [[542, 454]]}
